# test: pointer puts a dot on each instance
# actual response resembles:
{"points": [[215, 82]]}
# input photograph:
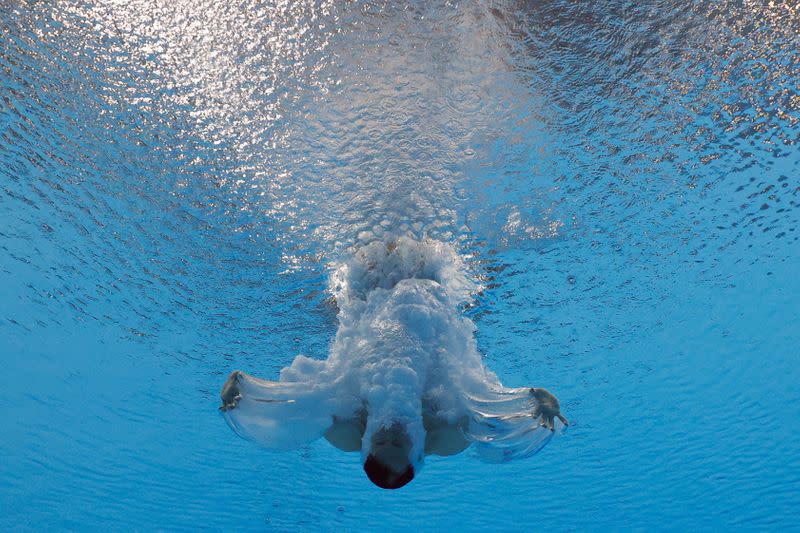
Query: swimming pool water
{"points": [[178, 178]]}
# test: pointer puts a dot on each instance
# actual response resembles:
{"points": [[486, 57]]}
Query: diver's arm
{"points": [[511, 423], [442, 437], [276, 414], [547, 407], [447, 439], [230, 394], [346, 434]]}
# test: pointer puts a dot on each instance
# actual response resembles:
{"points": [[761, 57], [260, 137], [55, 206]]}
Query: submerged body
{"points": [[403, 379]]}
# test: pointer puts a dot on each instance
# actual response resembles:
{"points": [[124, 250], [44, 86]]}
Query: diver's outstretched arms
{"points": [[276, 414], [230, 393], [547, 407]]}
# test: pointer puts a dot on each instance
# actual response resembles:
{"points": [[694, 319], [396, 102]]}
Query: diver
{"points": [[388, 461], [403, 378]]}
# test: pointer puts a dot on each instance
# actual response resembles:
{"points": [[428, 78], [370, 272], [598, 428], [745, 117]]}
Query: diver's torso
{"points": [[399, 347]]}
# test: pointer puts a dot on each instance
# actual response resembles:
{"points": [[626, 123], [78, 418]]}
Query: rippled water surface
{"points": [[177, 178]]}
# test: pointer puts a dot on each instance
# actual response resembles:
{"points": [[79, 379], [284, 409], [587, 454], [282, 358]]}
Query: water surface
{"points": [[178, 178]]}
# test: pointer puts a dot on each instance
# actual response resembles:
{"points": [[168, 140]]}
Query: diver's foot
{"points": [[230, 394], [548, 408]]}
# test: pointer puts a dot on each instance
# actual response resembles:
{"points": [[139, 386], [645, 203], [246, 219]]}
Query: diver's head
{"points": [[388, 463]]}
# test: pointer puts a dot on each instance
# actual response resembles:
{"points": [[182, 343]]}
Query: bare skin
{"points": [[547, 407], [346, 434], [230, 392], [387, 452]]}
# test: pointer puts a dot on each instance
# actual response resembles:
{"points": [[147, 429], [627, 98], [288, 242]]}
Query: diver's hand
{"points": [[547, 407], [230, 394]]}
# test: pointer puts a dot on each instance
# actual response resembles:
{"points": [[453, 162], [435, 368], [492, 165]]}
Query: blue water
{"points": [[177, 178]]}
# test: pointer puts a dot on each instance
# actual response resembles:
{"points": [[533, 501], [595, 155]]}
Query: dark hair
{"points": [[385, 477]]}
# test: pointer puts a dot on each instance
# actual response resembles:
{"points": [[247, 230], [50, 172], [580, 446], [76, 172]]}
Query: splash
{"points": [[404, 356]]}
